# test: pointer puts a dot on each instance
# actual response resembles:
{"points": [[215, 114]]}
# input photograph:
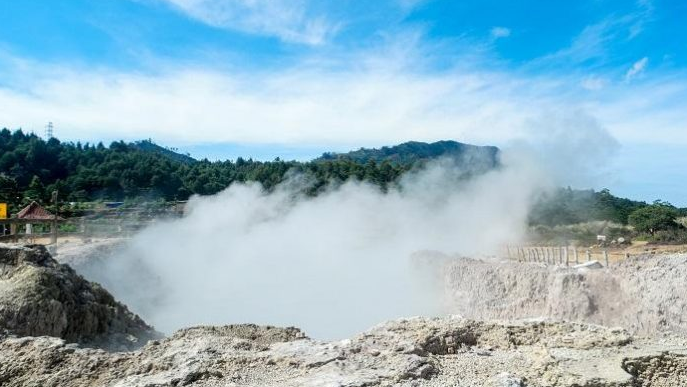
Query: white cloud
{"points": [[637, 69], [593, 83], [386, 98], [596, 40], [500, 32], [289, 20]]}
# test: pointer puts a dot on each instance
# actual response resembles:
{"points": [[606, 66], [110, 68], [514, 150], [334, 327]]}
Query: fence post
{"points": [[567, 258], [606, 257], [589, 256], [548, 255], [53, 231], [555, 254], [53, 224], [577, 260]]}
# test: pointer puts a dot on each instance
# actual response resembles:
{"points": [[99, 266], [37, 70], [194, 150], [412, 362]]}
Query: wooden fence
{"points": [[100, 224], [563, 255]]}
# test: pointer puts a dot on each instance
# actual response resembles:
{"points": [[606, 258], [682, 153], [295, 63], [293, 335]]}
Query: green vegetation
{"points": [[31, 168], [134, 173], [660, 223], [654, 218], [581, 215], [581, 233], [567, 206], [477, 157]]}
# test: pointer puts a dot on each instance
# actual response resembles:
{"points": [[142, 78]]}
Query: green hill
{"points": [[31, 169], [150, 146], [414, 151]]}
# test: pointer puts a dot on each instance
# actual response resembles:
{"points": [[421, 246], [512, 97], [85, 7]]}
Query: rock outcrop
{"points": [[644, 294], [52, 321], [40, 297], [417, 352]]}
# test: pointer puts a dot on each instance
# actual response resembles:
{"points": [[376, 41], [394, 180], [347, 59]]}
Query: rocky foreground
{"points": [[40, 297], [412, 352], [57, 329]]}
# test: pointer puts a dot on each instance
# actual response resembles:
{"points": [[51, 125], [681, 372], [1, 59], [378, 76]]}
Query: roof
{"points": [[34, 211]]}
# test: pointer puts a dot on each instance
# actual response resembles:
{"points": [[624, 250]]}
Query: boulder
{"points": [[41, 297]]}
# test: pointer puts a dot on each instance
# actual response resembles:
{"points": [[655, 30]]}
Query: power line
{"points": [[49, 131]]}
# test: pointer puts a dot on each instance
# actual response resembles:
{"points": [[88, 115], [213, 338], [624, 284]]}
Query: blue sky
{"points": [[222, 78]]}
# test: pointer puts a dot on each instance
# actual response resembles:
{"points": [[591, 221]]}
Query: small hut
{"points": [[34, 213]]}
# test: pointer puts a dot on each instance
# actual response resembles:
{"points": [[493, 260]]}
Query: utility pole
{"points": [[54, 221], [49, 131]]}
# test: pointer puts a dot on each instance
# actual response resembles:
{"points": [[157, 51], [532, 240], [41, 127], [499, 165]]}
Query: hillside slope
{"points": [[414, 151]]}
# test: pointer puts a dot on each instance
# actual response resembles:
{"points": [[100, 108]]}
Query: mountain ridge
{"points": [[413, 151]]}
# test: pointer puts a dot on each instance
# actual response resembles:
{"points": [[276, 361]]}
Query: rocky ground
{"points": [[39, 296], [61, 330], [413, 352], [81, 254], [644, 294]]}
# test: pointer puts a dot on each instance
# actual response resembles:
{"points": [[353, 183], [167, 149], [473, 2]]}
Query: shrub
{"points": [[654, 218]]}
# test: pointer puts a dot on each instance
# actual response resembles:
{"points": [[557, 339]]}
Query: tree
{"points": [[35, 191], [9, 190], [654, 218]]}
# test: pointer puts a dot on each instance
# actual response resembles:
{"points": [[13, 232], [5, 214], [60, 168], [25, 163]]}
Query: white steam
{"points": [[333, 265]]}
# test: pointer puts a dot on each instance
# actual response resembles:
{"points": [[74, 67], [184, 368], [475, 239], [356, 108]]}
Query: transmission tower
{"points": [[48, 131]]}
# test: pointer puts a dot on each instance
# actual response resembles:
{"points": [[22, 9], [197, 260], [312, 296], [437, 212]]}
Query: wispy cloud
{"points": [[591, 43], [637, 69], [593, 83], [595, 41], [500, 32], [387, 98], [289, 20]]}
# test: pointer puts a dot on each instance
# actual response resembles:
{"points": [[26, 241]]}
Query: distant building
{"points": [[35, 213]]}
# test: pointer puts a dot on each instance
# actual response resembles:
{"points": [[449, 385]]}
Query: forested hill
{"points": [[150, 146], [31, 168], [414, 151]]}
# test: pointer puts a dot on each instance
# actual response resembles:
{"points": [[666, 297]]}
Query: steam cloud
{"points": [[340, 262], [333, 265]]}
